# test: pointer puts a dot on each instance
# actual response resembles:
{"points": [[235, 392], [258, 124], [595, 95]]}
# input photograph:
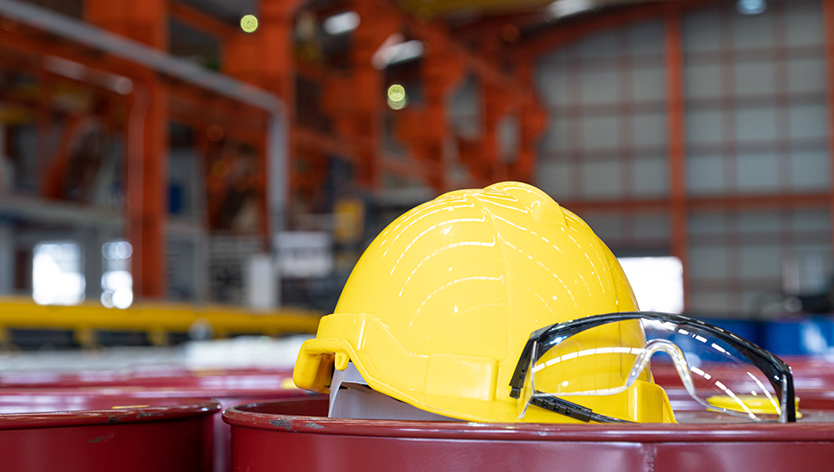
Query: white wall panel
{"points": [[755, 124], [810, 170], [806, 75], [808, 121], [648, 84], [702, 80], [701, 30], [646, 38], [760, 260], [600, 45], [705, 175], [821, 250], [703, 126], [651, 176], [600, 132], [552, 81], [758, 173], [804, 23], [754, 78], [811, 220], [599, 85], [707, 262], [753, 31], [554, 177], [653, 226], [607, 226], [758, 222], [649, 129], [707, 223], [601, 179]]}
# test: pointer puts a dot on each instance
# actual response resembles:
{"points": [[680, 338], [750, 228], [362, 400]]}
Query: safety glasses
{"points": [[606, 354]]}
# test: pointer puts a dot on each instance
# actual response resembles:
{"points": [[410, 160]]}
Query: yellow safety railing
{"points": [[157, 320]]}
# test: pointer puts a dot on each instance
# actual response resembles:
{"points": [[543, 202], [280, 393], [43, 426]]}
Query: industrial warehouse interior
{"points": [[465, 235]]}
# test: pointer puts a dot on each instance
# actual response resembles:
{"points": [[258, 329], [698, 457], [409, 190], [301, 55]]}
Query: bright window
{"points": [[657, 282], [56, 274], [117, 282]]}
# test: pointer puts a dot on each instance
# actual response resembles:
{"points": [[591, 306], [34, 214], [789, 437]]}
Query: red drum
{"points": [[295, 434], [87, 431]]}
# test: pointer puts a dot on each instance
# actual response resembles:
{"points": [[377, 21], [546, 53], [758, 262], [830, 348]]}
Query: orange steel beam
{"points": [[201, 21], [146, 191], [724, 203], [677, 140], [828, 26], [145, 21], [569, 31]]}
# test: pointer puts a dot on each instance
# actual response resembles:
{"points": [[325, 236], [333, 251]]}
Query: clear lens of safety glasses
{"points": [[608, 354]]}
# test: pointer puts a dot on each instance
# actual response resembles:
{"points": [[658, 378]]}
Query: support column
{"points": [[828, 27], [265, 58], [677, 142], [90, 239], [147, 143], [442, 70], [368, 94], [7, 271]]}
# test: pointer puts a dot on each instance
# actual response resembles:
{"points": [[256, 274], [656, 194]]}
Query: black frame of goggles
{"points": [[778, 372]]}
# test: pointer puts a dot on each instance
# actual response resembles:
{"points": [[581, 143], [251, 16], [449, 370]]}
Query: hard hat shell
{"points": [[439, 307]]}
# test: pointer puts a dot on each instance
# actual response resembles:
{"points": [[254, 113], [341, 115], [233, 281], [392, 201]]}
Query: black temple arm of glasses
{"points": [[572, 410]]}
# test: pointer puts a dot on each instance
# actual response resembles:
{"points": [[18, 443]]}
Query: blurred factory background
{"points": [[204, 168]]}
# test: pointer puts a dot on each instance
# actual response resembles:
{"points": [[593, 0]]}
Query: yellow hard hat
{"points": [[439, 307]]}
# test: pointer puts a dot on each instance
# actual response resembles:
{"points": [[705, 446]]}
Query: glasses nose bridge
{"points": [[678, 359]]}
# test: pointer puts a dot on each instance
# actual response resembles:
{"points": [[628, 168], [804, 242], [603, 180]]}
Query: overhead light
{"points": [[341, 23], [249, 23], [563, 8], [751, 7], [396, 97], [394, 50]]}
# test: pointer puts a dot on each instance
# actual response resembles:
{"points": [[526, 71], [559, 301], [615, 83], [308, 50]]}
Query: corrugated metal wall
{"points": [[756, 124]]}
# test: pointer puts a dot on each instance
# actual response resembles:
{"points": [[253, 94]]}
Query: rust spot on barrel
{"points": [[282, 423], [100, 439]]}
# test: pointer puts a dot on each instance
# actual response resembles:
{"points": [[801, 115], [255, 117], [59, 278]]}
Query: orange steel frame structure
{"points": [[154, 99], [355, 101]]}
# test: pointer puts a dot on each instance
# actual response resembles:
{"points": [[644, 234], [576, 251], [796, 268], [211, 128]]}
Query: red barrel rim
{"points": [[252, 416], [130, 414]]}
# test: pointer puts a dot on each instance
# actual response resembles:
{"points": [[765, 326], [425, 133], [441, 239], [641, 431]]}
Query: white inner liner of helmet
{"points": [[351, 397]]}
